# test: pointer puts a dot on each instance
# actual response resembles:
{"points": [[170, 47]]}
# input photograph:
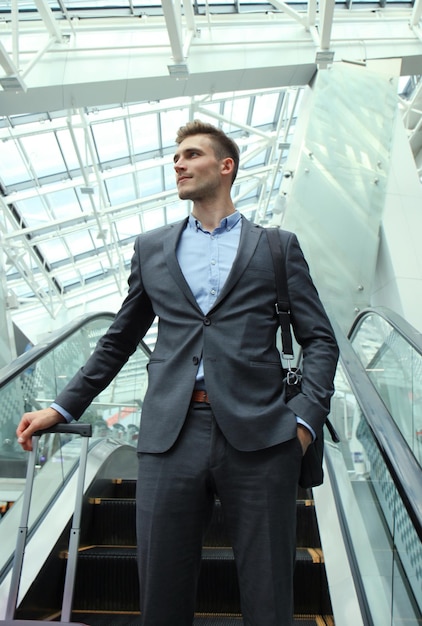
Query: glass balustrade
{"points": [[115, 413], [385, 541], [395, 369]]}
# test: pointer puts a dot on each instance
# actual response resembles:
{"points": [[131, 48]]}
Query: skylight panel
{"points": [[176, 211], [121, 189], [64, 204], [79, 243], [171, 121], [128, 227], [169, 176], [150, 181], [13, 168], [44, 154], [237, 110], [110, 140], [144, 133], [34, 211], [263, 111], [54, 250], [153, 218]]}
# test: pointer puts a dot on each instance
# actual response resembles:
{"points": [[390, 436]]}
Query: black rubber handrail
{"points": [[22, 362], [406, 330]]}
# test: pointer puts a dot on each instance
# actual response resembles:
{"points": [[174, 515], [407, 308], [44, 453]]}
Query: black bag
{"points": [[311, 474]]}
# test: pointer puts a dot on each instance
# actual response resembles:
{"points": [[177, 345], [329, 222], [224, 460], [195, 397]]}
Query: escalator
{"points": [[106, 589], [374, 475]]}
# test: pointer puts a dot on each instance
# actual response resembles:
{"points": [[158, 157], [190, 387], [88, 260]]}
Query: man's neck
{"points": [[211, 218]]}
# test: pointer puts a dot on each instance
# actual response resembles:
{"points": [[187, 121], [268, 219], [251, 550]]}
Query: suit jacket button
{"points": [[207, 321], [195, 360]]}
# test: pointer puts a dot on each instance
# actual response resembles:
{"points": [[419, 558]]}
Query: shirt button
{"points": [[213, 292], [207, 321]]}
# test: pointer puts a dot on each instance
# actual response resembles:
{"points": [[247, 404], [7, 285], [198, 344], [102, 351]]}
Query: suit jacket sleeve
{"points": [[314, 333], [113, 349]]}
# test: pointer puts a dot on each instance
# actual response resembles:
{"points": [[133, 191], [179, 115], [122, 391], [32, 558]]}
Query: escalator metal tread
{"points": [[129, 619]]}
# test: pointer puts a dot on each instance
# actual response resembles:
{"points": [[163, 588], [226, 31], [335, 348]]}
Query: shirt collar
{"points": [[227, 223]]}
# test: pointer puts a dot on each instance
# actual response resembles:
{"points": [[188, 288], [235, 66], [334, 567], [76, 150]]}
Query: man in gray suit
{"points": [[215, 420]]}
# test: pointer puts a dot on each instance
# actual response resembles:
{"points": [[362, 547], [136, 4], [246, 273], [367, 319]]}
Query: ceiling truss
{"points": [[176, 53]]}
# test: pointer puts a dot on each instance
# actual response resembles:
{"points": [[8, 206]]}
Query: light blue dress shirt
{"points": [[206, 259]]}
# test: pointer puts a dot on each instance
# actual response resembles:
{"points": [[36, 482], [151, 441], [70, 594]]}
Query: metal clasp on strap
{"points": [[292, 377]]}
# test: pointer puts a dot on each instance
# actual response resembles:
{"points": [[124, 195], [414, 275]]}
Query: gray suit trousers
{"points": [[175, 495]]}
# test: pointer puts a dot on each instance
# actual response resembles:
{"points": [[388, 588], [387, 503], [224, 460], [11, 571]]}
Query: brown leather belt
{"points": [[199, 395]]}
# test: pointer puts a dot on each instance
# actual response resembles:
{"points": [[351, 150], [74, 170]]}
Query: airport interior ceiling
{"points": [[92, 94]]}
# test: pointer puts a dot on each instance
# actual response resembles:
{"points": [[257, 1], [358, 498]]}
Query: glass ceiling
{"points": [[77, 186], [81, 186]]}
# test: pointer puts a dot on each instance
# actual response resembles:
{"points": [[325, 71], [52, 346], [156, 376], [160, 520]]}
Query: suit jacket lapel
{"points": [[170, 241], [249, 238]]}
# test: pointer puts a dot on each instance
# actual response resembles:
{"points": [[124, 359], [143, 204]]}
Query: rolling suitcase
{"points": [[85, 431]]}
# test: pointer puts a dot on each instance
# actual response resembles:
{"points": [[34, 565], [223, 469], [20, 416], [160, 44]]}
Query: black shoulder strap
{"points": [[282, 306]]}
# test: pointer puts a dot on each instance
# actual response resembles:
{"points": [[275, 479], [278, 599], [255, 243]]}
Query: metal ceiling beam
{"points": [[49, 20], [326, 23], [287, 9], [416, 13], [233, 53], [173, 18], [12, 81]]}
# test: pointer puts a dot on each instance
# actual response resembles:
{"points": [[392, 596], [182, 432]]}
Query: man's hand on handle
{"points": [[37, 420]]}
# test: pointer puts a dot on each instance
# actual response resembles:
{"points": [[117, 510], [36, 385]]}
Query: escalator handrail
{"points": [[405, 470], [406, 330], [25, 360]]}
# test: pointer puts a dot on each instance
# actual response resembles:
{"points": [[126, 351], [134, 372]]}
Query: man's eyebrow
{"points": [[186, 151]]}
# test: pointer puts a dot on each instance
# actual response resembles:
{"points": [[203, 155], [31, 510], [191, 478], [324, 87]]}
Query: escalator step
{"points": [[218, 588], [113, 521], [114, 488], [310, 583], [124, 488], [108, 581], [307, 526], [307, 533]]}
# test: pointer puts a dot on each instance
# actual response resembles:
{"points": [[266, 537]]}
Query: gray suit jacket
{"points": [[236, 338]]}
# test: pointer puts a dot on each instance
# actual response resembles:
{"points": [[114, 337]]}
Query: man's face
{"points": [[198, 171]]}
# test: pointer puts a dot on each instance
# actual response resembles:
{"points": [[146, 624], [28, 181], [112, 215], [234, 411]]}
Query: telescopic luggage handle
{"points": [[85, 431]]}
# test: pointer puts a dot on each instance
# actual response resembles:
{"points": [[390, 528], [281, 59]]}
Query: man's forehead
{"points": [[195, 141]]}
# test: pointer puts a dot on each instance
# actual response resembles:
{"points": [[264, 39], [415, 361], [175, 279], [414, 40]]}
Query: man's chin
{"points": [[184, 194]]}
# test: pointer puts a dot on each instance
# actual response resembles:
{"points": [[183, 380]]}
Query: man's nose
{"points": [[179, 165]]}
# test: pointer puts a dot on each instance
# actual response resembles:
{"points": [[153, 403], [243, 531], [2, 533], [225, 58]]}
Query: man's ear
{"points": [[227, 166]]}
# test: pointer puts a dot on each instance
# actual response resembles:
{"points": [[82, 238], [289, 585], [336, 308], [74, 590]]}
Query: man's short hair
{"points": [[222, 144]]}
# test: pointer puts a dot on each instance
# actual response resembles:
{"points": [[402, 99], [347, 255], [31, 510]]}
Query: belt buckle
{"points": [[204, 396]]}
